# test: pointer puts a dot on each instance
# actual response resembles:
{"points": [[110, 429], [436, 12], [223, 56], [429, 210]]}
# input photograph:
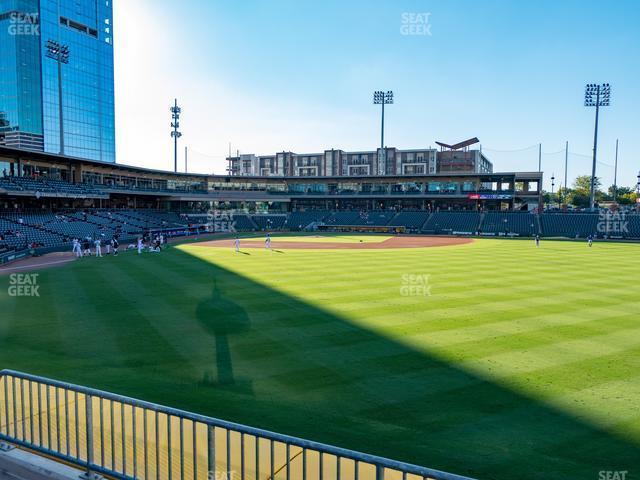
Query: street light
{"points": [[175, 134], [382, 98], [60, 53], [553, 185], [596, 95]]}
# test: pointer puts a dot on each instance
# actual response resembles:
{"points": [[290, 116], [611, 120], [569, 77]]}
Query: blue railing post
{"points": [[211, 451], [88, 475]]}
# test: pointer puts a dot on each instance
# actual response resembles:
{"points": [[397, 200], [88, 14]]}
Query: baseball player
{"points": [[77, 250], [98, 243]]}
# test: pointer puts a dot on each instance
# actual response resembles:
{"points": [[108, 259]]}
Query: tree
{"points": [[579, 199], [627, 198], [582, 184], [619, 190]]}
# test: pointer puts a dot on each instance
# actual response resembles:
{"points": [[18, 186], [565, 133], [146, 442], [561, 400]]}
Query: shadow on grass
{"points": [[222, 318], [330, 380], [285, 365]]}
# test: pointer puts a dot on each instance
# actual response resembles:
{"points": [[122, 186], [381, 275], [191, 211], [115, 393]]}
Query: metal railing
{"points": [[125, 438]]}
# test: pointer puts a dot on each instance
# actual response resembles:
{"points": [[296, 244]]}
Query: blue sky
{"points": [[278, 75]]}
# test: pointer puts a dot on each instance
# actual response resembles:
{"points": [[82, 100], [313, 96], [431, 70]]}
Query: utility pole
{"points": [[186, 152], [382, 98], [539, 157], [175, 124], [59, 53], [602, 94], [615, 176], [566, 166]]}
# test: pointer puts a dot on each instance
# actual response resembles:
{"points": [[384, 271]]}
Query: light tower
{"points": [[175, 124], [596, 95], [382, 98], [59, 53]]}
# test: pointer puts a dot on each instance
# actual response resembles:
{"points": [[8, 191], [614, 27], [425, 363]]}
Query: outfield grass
{"points": [[521, 363]]}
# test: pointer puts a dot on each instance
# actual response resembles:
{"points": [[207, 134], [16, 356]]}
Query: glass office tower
{"points": [[56, 77]]}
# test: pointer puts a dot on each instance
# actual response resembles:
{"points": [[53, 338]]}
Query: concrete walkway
{"points": [[19, 464]]}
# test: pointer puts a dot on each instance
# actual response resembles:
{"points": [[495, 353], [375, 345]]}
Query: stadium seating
{"points": [[270, 222], [48, 185], [633, 226], [244, 223], [411, 220], [18, 233], [508, 223], [376, 217], [344, 218], [48, 229], [452, 222], [7, 184], [571, 225], [301, 220]]}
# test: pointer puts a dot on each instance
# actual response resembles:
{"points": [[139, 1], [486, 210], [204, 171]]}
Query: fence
{"points": [[125, 438]]}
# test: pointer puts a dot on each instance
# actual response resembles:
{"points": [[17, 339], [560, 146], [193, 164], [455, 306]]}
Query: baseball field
{"points": [[492, 358]]}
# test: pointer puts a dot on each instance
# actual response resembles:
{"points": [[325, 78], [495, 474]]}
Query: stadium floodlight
{"points": [[175, 134], [382, 98], [596, 95], [60, 53]]}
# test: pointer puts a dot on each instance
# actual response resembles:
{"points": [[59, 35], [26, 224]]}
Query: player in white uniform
{"points": [[139, 245], [98, 247], [237, 242], [267, 242], [77, 250]]}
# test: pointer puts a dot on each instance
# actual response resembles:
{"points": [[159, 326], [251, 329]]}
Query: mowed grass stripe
{"points": [[505, 371]]}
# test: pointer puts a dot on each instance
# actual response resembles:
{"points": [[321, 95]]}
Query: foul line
{"points": [[36, 265]]}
